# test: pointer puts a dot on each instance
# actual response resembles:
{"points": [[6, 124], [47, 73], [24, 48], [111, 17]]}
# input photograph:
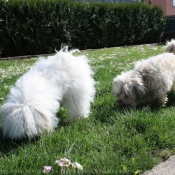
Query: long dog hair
{"points": [[150, 79], [31, 106]]}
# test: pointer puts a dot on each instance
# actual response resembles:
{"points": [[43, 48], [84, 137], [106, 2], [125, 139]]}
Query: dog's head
{"points": [[129, 89]]}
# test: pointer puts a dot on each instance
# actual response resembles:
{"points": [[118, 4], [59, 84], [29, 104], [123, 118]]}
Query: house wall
{"points": [[166, 5], [170, 9]]}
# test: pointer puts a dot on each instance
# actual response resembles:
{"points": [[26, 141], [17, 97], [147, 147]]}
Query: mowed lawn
{"points": [[112, 140]]}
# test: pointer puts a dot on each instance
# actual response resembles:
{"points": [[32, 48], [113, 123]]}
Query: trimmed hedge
{"points": [[40, 26]]}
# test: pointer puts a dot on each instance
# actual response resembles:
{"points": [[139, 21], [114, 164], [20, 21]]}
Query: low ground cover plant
{"points": [[112, 140]]}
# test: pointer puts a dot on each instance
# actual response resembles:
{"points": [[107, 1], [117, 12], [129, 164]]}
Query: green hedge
{"points": [[40, 26]]}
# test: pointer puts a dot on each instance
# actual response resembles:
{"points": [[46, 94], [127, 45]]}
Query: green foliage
{"points": [[39, 26]]}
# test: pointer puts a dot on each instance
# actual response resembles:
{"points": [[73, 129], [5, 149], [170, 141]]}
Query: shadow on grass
{"points": [[154, 106], [171, 99], [105, 111], [7, 145]]}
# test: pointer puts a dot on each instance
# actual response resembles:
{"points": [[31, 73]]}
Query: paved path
{"points": [[164, 168]]}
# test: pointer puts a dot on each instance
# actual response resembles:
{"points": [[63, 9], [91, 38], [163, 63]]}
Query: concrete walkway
{"points": [[164, 168]]}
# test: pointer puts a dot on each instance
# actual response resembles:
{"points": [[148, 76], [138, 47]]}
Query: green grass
{"points": [[111, 140]]}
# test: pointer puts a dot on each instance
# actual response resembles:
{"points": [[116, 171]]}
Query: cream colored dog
{"points": [[150, 80], [170, 46]]}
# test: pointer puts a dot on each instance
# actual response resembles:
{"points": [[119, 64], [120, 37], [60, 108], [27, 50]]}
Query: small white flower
{"points": [[77, 165], [63, 162], [59, 163], [47, 169]]}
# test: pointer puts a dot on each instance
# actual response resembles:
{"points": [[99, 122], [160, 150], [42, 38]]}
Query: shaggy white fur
{"points": [[170, 46], [150, 79], [31, 106]]}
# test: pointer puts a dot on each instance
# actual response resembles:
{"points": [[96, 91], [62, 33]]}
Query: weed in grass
{"points": [[64, 166]]}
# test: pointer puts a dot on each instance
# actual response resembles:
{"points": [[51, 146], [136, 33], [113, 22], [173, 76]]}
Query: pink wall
{"points": [[166, 5], [170, 9]]}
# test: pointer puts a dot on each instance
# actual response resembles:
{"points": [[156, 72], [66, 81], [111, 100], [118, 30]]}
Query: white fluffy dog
{"points": [[150, 80], [170, 46], [31, 106]]}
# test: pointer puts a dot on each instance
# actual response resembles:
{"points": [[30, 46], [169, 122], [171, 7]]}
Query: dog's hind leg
{"points": [[77, 103]]}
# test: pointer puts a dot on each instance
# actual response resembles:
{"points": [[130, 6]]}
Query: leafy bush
{"points": [[39, 26]]}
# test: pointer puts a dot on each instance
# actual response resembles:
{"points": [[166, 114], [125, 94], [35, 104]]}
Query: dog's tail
{"points": [[65, 48], [30, 108], [170, 46]]}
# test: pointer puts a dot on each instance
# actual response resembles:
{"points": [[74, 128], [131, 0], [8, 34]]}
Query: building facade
{"points": [[168, 6]]}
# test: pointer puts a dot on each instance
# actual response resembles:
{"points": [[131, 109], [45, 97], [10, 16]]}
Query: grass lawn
{"points": [[112, 140]]}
